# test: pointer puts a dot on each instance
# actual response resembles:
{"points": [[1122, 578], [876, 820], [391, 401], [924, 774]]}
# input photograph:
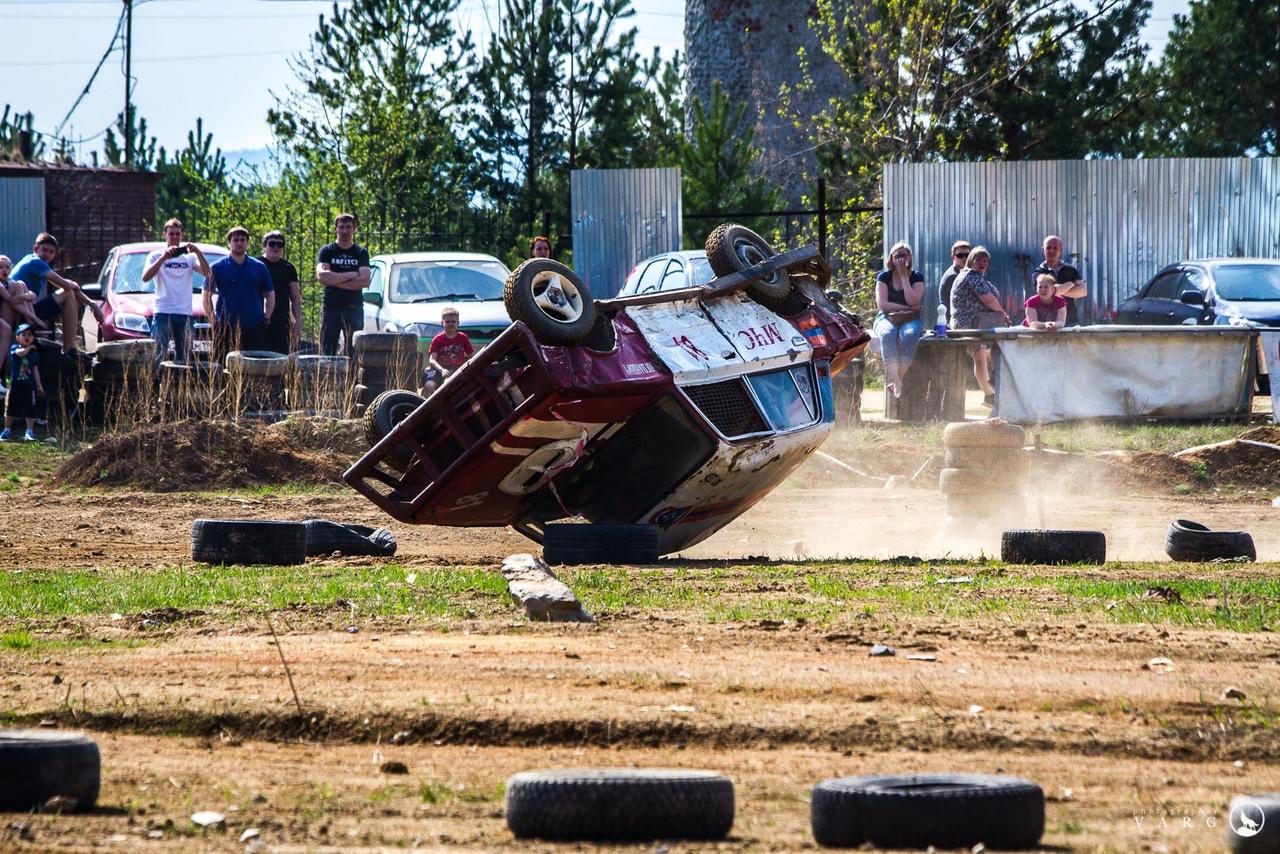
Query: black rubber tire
{"points": [[36, 765], [325, 538], [127, 352], [1049, 548], [521, 302], [1009, 460], [373, 377], [993, 482], [731, 248], [942, 810], [613, 544], [383, 342], [983, 434], [248, 541], [1195, 543], [620, 804], [382, 415], [257, 363], [336, 366], [1263, 810], [107, 372]]}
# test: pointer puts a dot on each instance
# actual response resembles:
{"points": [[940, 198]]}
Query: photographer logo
{"points": [[1246, 818]]}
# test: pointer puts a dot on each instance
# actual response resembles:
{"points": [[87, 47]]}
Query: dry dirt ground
{"points": [[195, 711]]}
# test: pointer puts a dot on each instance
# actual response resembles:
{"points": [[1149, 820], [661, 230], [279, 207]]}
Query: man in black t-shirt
{"points": [[959, 257], [285, 326], [1070, 283], [343, 269]]}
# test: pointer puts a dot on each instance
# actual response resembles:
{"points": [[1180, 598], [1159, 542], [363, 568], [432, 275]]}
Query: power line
{"points": [[94, 76]]}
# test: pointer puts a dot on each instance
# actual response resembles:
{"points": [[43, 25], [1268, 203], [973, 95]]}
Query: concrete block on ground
{"points": [[532, 585]]}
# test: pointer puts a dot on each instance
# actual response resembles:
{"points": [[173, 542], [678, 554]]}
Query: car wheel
{"points": [[36, 766], [248, 541], [732, 248], [614, 544], [1048, 548], [551, 300], [942, 810], [619, 804], [1192, 542], [381, 417]]}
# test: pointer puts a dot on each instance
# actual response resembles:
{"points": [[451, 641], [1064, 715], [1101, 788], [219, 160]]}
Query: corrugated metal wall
{"points": [[21, 215], [1120, 220], [621, 216]]}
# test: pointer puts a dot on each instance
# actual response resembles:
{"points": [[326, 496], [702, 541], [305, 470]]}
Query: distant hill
{"points": [[246, 163]]}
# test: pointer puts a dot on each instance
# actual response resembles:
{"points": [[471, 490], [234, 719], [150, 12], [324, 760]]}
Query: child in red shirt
{"points": [[1046, 310], [449, 351]]}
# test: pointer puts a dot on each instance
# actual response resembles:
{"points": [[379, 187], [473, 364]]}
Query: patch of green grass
{"points": [[17, 640], [1148, 436], [23, 463]]}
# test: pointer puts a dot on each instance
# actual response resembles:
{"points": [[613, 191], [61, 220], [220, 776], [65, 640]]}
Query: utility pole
{"points": [[128, 79]]}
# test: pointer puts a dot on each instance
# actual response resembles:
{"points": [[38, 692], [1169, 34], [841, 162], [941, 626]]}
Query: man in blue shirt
{"points": [[246, 299], [56, 297]]}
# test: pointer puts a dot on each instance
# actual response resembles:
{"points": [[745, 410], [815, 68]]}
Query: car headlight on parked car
{"points": [[132, 322], [424, 330]]}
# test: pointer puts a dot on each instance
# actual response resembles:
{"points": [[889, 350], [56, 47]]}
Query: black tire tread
{"points": [[1050, 548], [518, 298], [1192, 542], [772, 293], [36, 765], [570, 544], [325, 537], [248, 541], [378, 423]]}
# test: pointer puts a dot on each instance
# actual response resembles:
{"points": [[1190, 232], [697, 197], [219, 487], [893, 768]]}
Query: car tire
{"points": [[248, 541], [983, 434], [525, 297], [619, 804], [994, 483], [138, 350], [1051, 548], [1010, 460], [107, 372], [384, 342], [1192, 542], [37, 765], [940, 810], [257, 363], [732, 248], [325, 538], [331, 365], [381, 417], [614, 544], [1264, 811]]}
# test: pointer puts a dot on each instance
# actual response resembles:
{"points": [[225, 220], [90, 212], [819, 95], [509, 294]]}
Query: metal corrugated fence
{"points": [[621, 216], [21, 215], [1120, 220]]}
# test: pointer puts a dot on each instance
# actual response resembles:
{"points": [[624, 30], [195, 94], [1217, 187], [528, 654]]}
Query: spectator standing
{"points": [[285, 327], [245, 299], [56, 297], [449, 351], [343, 268], [1046, 310], [1070, 284], [899, 298], [540, 247], [173, 268], [959, 255], [24, 384], [971, 295]]}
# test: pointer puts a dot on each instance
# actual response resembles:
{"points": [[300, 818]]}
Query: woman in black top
{"points": [[899, 295]]}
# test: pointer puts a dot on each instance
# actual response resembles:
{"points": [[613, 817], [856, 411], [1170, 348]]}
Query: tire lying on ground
{"points": [[257, 363], [127, 352], [1053, 547], [1259, 817], [983, 434], [617, 544], [1004, 460], [37, 765], [620, 804], [732, 248], [248, 541], [551, 300], [942, 810], [1192, 542], [325, 538]]}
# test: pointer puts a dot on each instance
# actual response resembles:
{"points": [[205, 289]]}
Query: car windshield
{"points": [[421, 281], [128, 277], [702, 272], [1248, 282]]}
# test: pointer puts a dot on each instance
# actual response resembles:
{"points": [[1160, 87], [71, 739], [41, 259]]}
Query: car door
{"points": [[1191, 281], [1156, 300], [374, 297]]}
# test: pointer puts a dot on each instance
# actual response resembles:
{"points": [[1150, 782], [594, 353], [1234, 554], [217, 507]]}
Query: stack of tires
{"points": [[61, 375], [255, 381], [120, 378], [187, 389], [984, 474], [385, 360], [319, 385]]}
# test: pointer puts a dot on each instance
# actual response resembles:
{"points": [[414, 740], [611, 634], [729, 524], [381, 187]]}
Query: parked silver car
{"points": [[408, 291], [669, 271]]}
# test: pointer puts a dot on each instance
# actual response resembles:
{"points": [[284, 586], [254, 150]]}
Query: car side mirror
{"points": [[1191, 298], [93, 291], [373, 297]]}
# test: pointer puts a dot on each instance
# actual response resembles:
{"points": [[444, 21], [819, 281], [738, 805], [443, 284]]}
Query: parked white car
{"points": [[408, 291], [670, 271]]}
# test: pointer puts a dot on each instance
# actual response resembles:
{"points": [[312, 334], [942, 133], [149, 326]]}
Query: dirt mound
{"points": [[1233, 464], [188, 455]]}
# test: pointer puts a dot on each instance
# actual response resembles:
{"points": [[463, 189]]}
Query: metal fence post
{"points": [[822, 217]]}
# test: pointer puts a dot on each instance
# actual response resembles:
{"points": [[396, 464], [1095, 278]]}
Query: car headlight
{"points": [[132, 322], [424, 330]]}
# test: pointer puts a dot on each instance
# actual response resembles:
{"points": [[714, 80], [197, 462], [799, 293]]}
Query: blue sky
{"points": [[222, 59]]}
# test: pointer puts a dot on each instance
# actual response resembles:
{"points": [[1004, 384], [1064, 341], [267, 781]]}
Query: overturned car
{"points": [[668, 413]]}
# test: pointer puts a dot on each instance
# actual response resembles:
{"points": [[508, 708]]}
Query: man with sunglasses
{"points": [[959, 255], [284, 328]]}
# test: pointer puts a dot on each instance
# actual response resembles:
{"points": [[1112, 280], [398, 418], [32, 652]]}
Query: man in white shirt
{"points": [[173, 268]]}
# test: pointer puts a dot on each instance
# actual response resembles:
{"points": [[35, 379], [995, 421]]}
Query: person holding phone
{"points": [[173, 267]]}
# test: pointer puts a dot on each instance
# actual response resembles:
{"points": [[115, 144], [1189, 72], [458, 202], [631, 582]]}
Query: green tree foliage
{"points": [[18, 138], [1218, 82], [375, 116], [717, 168], [192, 178], [144, 147]]}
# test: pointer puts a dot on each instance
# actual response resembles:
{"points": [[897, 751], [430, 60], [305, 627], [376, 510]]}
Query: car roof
{"points": [[149, 245], [1228, 262], [404, 257]]}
